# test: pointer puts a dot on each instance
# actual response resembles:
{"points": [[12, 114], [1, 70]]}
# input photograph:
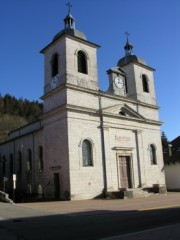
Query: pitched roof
{"points": [[175, 149]]}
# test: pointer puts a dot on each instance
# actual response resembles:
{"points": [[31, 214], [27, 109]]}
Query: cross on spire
{"points": [[127, 34], [69, 7]]}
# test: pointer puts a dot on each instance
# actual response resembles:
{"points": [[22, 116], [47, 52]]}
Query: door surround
{"points": [[125, 152]]}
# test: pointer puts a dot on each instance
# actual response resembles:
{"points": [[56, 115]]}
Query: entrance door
{"points": [[125, 174], [56, 185]]}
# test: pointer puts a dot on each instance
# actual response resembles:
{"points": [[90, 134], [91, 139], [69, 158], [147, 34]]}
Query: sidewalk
{"points": [[79, 206]]}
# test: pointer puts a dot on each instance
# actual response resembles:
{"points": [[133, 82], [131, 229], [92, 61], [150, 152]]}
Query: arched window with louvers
{"points": [[82, 62]]}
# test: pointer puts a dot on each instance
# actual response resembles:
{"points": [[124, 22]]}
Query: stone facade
{"points": [[87, 142]]}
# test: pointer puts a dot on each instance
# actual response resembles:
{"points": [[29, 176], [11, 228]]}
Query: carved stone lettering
{"points": [[122, 138]]}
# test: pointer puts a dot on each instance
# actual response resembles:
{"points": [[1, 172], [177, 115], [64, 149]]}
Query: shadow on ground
{"points": [[95, 224]]}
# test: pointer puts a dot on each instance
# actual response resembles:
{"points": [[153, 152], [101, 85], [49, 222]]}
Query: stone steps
{"points": [[137, 193], [130, 193]]}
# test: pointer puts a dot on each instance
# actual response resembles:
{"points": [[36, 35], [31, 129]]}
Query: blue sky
{"points": [[154, 27]]}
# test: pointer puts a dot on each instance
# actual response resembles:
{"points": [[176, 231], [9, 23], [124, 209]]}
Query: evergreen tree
{"points": [[15, 113], [164, 140]]}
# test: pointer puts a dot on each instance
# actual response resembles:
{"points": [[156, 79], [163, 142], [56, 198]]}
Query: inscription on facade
{"points": [[122, 138]]}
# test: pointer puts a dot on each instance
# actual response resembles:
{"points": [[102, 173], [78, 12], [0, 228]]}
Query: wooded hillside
{"points": [[15, 113]]}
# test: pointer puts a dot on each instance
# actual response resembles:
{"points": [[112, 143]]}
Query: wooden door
{"points": [[125, 172]]}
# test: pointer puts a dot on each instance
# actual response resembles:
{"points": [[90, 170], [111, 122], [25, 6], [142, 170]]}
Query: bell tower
{"points": [[69, 60], [139, 76]]}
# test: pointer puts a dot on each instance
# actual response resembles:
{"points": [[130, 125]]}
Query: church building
{"points": [[88, 142]]}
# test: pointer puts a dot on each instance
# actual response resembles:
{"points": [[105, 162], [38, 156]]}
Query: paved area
{"points": [[7, 235], [171, 232], [84, 206], [97, 207]]}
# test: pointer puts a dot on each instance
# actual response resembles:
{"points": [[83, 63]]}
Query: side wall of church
{"points": [[22, 159], [33, 179]]}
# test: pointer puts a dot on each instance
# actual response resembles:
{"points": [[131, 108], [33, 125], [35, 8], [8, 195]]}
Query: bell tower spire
{"points": [[128, 47], [69, 20]]}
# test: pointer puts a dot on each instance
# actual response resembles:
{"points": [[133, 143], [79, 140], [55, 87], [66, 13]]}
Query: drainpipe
{"points": [[102, 145], [138, 157]]}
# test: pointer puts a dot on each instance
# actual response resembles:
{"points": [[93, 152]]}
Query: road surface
{"points": [[92, 219]]}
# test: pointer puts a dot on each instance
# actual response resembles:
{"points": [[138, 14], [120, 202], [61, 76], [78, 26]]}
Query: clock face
{"points": [[54, 82], [119, 82]]}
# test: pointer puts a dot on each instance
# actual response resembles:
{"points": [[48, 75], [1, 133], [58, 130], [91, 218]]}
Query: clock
{"points": [[54, 82], [119, 82]]}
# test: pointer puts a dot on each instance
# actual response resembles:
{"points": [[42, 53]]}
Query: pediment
{"points": [[122, 110]]}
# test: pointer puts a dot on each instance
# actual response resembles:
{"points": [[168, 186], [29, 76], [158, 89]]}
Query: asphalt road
{"points": [[95, 219]]}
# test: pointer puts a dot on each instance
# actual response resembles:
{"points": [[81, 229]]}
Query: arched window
{"points": [[55, 65], [29, 160], [40, 159], [82, 62], [152, 152], [19, 162], [87, 153], [145, 83]]}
